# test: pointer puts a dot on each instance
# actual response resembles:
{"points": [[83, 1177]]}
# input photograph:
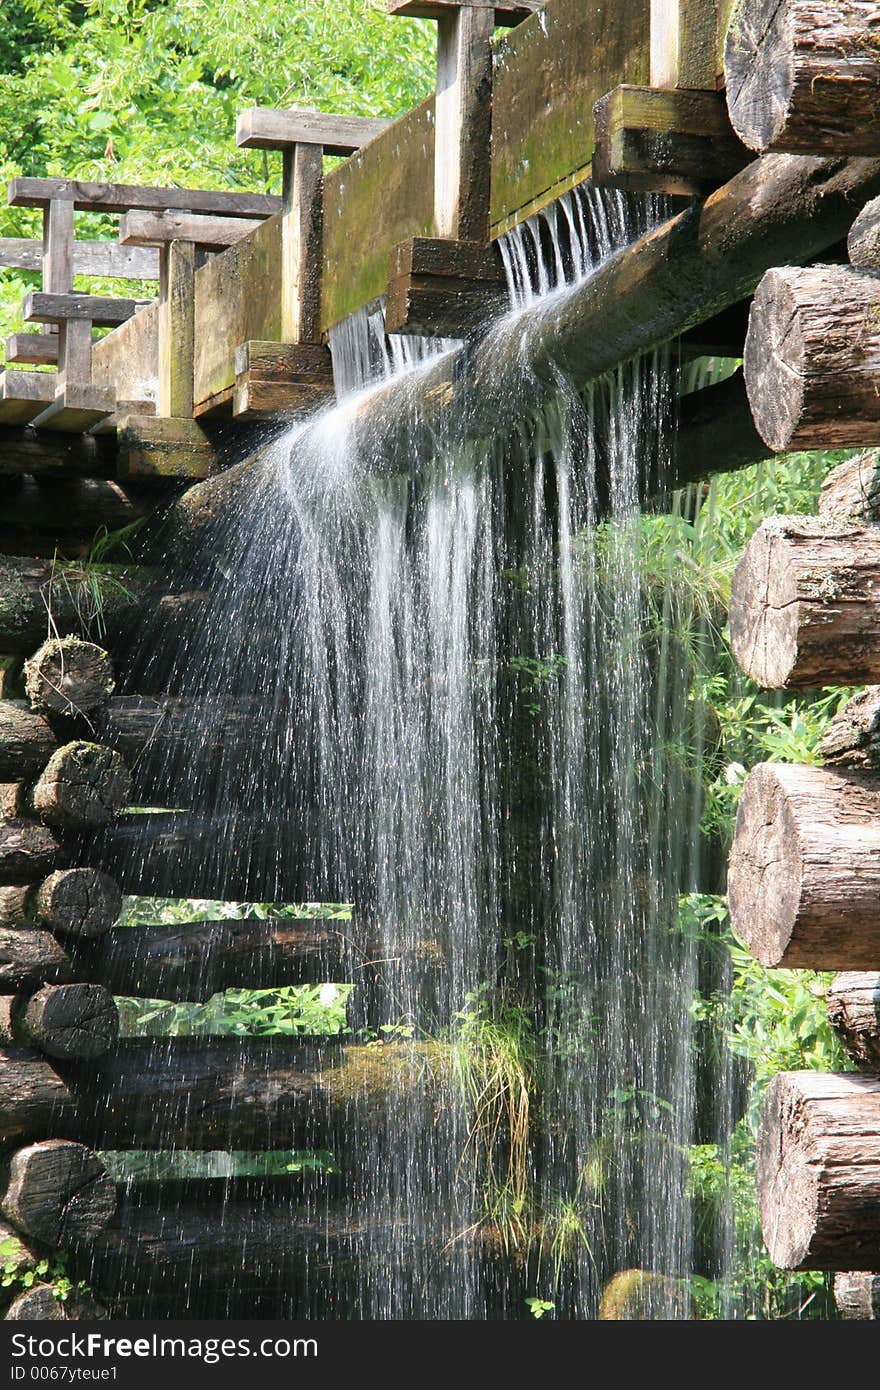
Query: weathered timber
{"points": [[100, 310], [100, 258], [57, 1193], [463, 117], [665, 141], [83, 785], [44, 1303], [812, 358], [863, 242], [851, 491], [69, 677], [857, 1295], [26, 740], [177, 331], [78, 406], [804, 75], [22, 450], [716, 434], [152, 447], [270, 128], [28, 851], [506, 12], [145, 229], [30, 957], [24, 395], [852, 738], [46, 516], [205, 1093], [818, 1171], [38, 598], [444, 288], [69, 1020], [805, 867], [13, 799], [128, 360], [275, 378], [75, 902], [119, 197], [685, 49], [854, 1013], [238, 298], [804, 604], [36, 349]]}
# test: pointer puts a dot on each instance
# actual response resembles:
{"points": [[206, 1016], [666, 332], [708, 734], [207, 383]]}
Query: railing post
{"points": [[177, 266], [302, 230]]}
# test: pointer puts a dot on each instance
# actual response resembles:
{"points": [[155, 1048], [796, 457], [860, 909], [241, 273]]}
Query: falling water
{"points": [[463, 719]]}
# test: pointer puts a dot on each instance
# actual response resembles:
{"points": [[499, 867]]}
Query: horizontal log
{"points": [[13, 799], [102, 311], [27, 741], [75, 902], [45, 1303], [68, 1020], [818, 1171], [715, 434], [106, 259], [805, 605], [28, 852], [804, 75], [57, 1193], [23, 450], [82, 599], [121, 197], [205, 1093], [852, 738], [268, 128], [854, 1014], [45, 516], [851, 491], [67, 676], [30, 957], [804, 870], [857, 1296], [812, 358], [78, 406], [665, 140], [863, 242], [139, 228], [82, 786]]}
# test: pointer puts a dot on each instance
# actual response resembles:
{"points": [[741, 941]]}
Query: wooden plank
{"points": [[77, 408], [217, 406], [37, 349], [151, 229], [128, 358], [238, 297], [505, 13], [255, 399], [302, 226], [110, 423], [665, 141], [22, 450], [549, 73], [463, 112], [441, 306], [177, 331], [100, 310], [121, 197], [150, 447], [267, 128], [280, 378], [74, 352], [684, 44], [472, 260], [105, 258], [24, 395], [57, 258]]}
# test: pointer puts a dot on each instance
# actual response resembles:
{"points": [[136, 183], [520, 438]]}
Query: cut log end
{"points": [[857, 1295], [77, 1020], [764, 876], [759, 67], [45, 1303], [852, 738], [83, 785], [69, 677], [58, 1193], [763, 614], [854, 1014], [78, 902], [851, 491], [27, 851]]}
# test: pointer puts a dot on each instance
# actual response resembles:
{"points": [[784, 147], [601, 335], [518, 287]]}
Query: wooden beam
{"points": [[24, 395], [77, 407], [506, 12], [23, 450], [149, 446], [277, 378], [267, 128], [106, 259], [673, 142], [35, 349], [151, 229], [177, 331], [100, 310], [119, 197], [684, 44], [444, 288], [302, 229], [463, 113]]}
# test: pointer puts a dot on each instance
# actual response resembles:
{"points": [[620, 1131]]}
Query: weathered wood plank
{"points": [[674, 142], [463, 112], [142, 229], [507, 12], [128, 358], [177, 331], [268, 128], [100, 310], [22, 450], [302, 229], [684, 44], [77, 407], [36, 349], [104, 258], [24, 395], [120, 197], [149, 446], [238, 298], [276, 378]]}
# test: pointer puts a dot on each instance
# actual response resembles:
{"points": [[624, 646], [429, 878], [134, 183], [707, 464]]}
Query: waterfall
{"points": [[468, 722]]}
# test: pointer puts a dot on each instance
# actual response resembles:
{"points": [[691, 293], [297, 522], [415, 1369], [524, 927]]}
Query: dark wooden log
{"points": [[28, 451], [26, 741], [857, 1296], [28, 851], [79, 598], [57, 1193], [804, 870], [863, 242], [817, 1173], [49, 516], [852, 738], [14, 1251], [812, 358], [716, 433], [69, 677], [82, 785], [69, 1020], [74, 902], [805, 604], [207, 1093], [854, 1014], [32, 957], [804, 75], [45, 1303], [13, 799], [851, 491]]}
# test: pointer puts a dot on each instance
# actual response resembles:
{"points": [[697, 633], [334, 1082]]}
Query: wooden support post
{"points": [[302, 229], [57, 258], [804, 870], [463, 136], [684, 43], [805, 605], [177, 303]]}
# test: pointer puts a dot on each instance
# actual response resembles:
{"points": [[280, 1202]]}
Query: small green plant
{"points": [[538, 1307]]}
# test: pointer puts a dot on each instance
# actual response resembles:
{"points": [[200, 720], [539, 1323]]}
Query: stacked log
{"points": [[57, 1193], [857, 1296], [74, 902], [854, 1014], [851, 491], [69, 677]]}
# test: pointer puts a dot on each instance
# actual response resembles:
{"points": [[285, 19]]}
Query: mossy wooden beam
{"points": [[151, 447], [665, 141], [280, 378]]}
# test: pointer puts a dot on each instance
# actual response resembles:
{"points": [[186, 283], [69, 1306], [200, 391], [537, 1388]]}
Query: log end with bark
{"points": [[852, 738], [82, 785], [57, 1193], [30, 957], [73, 902], [47, 1303], [28, 851], [818, 1171], [863, 242], [27, 741], [70, 1020], [854, 1013], [69, 677], [857, 1295], [851, 491]]}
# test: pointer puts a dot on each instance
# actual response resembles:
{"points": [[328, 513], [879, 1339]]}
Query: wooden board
{"points": [[105, 258], [149, 447], [77, 408], [101, 310], [268, 128], [24, 395], [549, 73], [505, 13], [665, 141], [238, 297], [152, 229], [37, 349], [280, 378], [120, 197]]}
